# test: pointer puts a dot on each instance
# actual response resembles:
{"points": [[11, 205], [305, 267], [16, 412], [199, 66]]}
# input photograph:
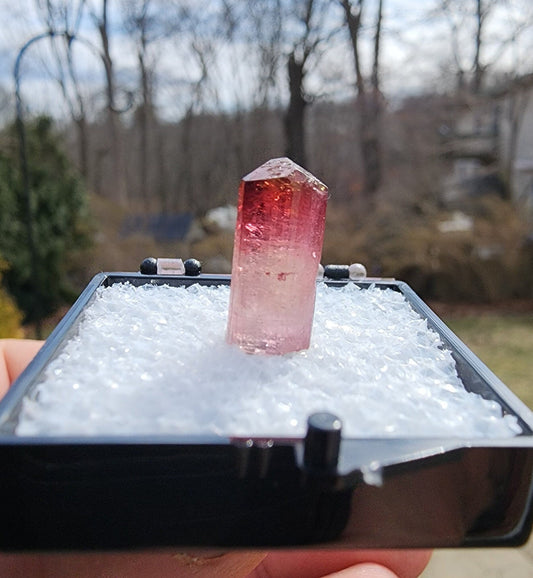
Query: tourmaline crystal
{"points": [[277, 248]]}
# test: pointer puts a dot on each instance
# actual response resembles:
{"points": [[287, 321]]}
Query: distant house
{"points": [[516, 139], [491, 146], [472, 146]]}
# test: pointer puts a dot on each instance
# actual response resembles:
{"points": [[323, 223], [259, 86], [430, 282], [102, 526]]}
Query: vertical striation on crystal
{"points": [[276, 254]]}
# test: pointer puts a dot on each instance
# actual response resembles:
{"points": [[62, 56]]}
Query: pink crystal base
{"points": [[278, 242]]}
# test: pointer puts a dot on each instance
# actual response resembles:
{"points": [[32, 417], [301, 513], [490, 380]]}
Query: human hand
{"points": [[245, 564], [14, 356]]}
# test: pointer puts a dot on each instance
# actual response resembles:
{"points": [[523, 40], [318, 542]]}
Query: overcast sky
{"points": [[414, 53]]}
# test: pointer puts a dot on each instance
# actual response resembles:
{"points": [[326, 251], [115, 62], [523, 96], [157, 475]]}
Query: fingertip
{"points": [[15, 356], [365, 570]]}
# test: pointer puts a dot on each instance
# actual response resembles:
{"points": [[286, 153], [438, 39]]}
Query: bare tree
{"points": [[309, 18], [266, 34], [458, 16], [478, 70], [369, 97], [481, 32], [195, 31], [62, 19], [99, 12], [295, 114], [286, 39], [143, 21]]}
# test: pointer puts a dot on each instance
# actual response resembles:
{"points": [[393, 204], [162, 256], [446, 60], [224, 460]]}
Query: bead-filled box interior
{"points": [[386, 432]]}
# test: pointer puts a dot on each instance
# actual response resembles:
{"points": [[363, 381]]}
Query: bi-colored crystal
{"points": [[276, 255]]}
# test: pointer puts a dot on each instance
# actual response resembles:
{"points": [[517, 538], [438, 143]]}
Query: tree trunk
{"points": [[368, 102], [187, 202], [145, 129], [370, 147], [294, 120], [477, 66], [83, 147], [118, 185]]}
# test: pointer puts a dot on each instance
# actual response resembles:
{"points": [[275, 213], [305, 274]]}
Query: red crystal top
{"points": [[282, 201], [284, 168]]}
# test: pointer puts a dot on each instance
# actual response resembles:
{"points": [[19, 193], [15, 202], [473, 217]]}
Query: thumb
{"points": [[367, 570]]}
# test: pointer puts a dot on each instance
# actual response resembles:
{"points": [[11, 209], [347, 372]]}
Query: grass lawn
{"points": [[505, 344]]}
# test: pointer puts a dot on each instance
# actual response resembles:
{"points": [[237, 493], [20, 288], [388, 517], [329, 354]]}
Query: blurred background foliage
{"points": [[10, 316], [60, 222]]}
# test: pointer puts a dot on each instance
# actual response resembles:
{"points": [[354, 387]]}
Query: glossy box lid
{"points": [[321, 490]]}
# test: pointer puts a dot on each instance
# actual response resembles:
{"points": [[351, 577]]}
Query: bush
{"points": [[10, 316], [59, 215], [487, 262]]}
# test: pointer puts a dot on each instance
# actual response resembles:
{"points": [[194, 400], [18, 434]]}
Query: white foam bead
{"points": [[357, 271]]}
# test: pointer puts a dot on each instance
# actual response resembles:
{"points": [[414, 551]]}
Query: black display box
{"points": [[322, 490]]}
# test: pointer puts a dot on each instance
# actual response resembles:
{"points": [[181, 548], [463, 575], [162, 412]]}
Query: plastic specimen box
{"points": [[320, 490]]}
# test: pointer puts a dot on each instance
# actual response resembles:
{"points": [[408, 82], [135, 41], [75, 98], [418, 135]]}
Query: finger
{"points": [[316, 564], [364, 571], [15, 354], [130, 565]]}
